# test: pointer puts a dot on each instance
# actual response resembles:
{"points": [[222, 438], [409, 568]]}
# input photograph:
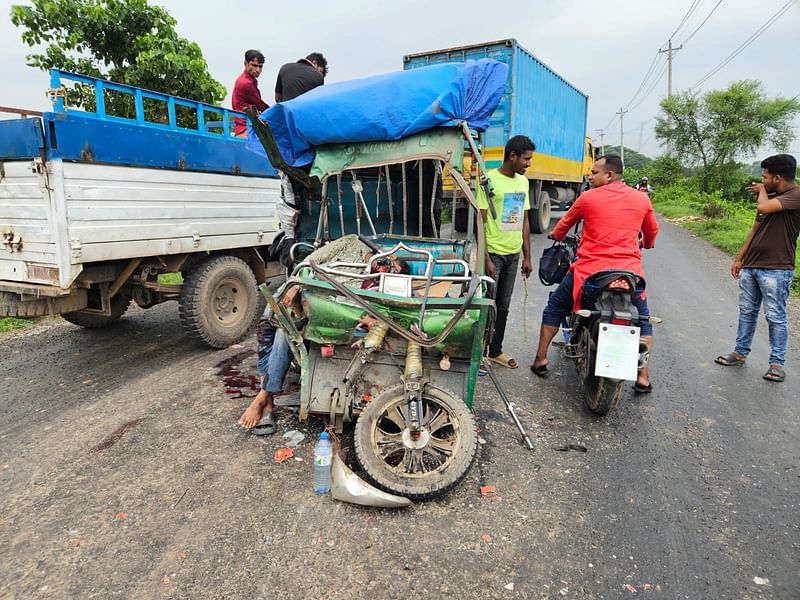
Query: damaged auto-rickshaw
{"points": [[394, 310]]}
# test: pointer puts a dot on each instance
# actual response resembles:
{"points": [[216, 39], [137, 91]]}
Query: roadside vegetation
{"points": [[701, 184], [12, 323]]}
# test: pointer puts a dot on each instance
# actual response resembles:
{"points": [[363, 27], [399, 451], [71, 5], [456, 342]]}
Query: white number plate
{"points": [[617, 352]]}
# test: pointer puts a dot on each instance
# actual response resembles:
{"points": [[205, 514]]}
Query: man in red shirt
{"points": [[245, 90], [613, 214]]}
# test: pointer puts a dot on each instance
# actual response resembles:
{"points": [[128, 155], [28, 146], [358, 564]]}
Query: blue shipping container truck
{"points": [[541, 104]]}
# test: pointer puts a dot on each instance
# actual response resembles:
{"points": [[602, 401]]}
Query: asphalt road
{"points": [[123, 473]]}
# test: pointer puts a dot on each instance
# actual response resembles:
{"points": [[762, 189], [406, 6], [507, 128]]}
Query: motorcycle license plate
{"points": [[617, 352]]}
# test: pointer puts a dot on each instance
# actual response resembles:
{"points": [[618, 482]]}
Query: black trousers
{"points": [[507, 266]]}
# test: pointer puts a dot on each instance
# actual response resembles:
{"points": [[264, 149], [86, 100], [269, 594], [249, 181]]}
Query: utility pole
{"points": [[669, 52], [602, 143], [621, 114]]}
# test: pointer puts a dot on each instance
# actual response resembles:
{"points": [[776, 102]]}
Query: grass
{"points": [[727, 231], [170, 278], [12, 323]]}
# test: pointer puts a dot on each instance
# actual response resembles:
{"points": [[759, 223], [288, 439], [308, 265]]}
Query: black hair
{"points": [[316, 57], [253, 55], [519, 144], [784, 165], [613, 163]]}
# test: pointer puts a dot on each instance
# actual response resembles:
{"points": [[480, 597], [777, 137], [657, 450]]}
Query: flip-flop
{"points": [[730, 360], [505, 360], [540, 371], [266, 426], [775, 374], [642, 389]]}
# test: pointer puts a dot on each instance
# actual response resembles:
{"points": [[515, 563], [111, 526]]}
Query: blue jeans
{"points": [[772, 287], [560, 303], [274, 355]]}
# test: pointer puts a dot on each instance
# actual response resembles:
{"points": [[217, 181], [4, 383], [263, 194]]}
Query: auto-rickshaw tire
{"points": [[431, 484]]}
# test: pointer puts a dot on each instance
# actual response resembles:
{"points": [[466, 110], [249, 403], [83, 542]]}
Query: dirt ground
{"points": [[124, 474]]}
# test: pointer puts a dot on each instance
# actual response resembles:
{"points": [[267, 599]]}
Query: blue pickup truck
{"points": [[95, 205]]}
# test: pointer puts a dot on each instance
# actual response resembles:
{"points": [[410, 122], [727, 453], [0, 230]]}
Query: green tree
{"points": [[633, 159], [126, 41], [712, 130]]}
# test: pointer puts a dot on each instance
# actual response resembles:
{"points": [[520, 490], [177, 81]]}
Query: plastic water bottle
{"points": [[323, 455]]}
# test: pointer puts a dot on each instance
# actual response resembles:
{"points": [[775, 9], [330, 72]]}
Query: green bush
{"points": [[665, 170]]}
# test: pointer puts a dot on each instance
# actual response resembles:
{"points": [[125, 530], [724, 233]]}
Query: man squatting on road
{"points": [[765, 264]]}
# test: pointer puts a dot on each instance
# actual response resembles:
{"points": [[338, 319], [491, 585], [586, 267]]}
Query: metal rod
{"points": [[361, 204], [391, 201], [341, 210], [378, 195], [510, 407], [320, 221], [453, 214], [437, 171], [405, 199], [421, 202]]}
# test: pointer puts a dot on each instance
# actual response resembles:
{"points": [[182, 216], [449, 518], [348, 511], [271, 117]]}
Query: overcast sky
{"points": [[603, 48]]}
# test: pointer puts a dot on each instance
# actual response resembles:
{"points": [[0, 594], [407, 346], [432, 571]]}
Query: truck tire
{"points": [[92, 320], [219, 301], [540, 216], [12, 306]]}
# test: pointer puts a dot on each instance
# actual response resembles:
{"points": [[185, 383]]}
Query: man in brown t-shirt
{"points": [[765, 264]]}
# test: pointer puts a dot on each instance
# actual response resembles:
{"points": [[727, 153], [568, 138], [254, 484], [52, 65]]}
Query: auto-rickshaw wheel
{"points": [[422, 465]]}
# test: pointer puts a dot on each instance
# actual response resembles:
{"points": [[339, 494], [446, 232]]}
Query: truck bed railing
{"points": [[223, 116]]}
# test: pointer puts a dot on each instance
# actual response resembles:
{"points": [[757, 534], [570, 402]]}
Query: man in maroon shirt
{"points": [[245, 90]]}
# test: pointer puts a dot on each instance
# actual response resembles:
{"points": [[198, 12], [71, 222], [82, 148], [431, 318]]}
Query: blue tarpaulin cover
{"points": [[385, 107]]}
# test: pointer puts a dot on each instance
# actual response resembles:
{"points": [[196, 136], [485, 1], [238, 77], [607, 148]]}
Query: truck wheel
{"points": [[12, 306], [219, 301], [119, 304], [541, 214], [422, 468]]}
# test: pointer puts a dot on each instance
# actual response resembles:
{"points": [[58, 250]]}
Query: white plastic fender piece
{"points": [[349, 487]]}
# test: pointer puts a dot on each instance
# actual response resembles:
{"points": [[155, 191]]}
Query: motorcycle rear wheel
{"points": [[417, 469], [602, 394]]}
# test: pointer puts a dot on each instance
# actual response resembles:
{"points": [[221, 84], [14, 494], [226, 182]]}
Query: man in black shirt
{"points": [[299, 77], [295, 79]]}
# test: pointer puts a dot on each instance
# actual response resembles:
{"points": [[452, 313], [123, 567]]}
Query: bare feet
{"points": [[255, 411]]}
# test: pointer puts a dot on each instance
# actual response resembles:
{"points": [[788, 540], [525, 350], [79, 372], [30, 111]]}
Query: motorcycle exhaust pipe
{"points": [[644, 355]]}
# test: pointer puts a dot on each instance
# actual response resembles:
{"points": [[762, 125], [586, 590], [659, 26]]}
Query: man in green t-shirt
{"points": [[507, 233]]}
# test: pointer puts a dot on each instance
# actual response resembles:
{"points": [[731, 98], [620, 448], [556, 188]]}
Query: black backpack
{"points": [[554, 263]]}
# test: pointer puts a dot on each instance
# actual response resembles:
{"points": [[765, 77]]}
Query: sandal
{"points": [[541, 370], [775, 374], [730, 360], [505, 360], [266, 426], [642, 389]]}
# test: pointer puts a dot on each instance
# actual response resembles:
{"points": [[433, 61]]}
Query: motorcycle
{"points": [[604, 337]]}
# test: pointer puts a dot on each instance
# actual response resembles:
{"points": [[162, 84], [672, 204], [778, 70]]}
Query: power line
{"points": [[716, 6], [651, 88], [647, 75], [747, 42], [694, 6]]}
